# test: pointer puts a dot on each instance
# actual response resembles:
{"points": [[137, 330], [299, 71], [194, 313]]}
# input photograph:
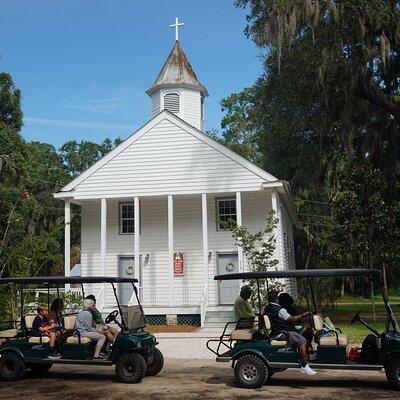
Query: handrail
{"points": [[203, 305], [100, 298]]}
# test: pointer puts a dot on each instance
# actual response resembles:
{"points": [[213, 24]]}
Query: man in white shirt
{"points": [[283, 327]]}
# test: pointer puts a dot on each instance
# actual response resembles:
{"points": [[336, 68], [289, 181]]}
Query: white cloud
{"points": [[61, 123]]}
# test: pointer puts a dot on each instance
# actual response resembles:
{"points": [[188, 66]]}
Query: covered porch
{"points": [[139, 237]]}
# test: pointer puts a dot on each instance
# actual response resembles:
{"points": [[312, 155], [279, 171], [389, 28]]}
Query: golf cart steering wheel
{"points": [[356, 317], [111, 317]]}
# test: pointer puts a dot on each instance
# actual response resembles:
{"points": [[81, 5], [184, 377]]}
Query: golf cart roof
{"points": [[62, 279], [300, 273]]}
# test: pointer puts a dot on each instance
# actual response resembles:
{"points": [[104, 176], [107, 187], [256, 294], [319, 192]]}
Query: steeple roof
{"points": [[177, 71]]}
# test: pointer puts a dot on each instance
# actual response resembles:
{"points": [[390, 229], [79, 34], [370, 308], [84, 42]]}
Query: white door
{"points": [[227, 263], [126, 269]]}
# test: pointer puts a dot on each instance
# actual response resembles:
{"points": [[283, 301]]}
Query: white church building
{"points": [[149, 208]]}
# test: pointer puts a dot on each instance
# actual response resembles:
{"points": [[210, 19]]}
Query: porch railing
{"points": [[203, 305], [160, 295]]}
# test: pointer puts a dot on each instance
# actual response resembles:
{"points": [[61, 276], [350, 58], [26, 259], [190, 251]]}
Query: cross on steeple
{"points": [[176, 25]]}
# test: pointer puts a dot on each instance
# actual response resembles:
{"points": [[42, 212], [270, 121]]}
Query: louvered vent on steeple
{"points": [[171, 102]]}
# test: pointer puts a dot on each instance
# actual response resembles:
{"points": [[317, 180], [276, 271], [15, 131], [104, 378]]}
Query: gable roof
{"points": [[177, 71], [164, 114]]}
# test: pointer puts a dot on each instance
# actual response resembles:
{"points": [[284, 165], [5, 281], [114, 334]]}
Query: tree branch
{"points": [[379, 99]]}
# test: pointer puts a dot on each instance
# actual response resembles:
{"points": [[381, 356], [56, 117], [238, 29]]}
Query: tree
{"points": [[259, 249], [317, 118]]}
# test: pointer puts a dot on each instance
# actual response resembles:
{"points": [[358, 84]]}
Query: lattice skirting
{"points": [[182, 319], [156, 319], [188, 319]]}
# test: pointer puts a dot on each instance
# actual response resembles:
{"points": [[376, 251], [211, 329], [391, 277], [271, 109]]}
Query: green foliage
{"points": [[258, 248], [324, 115]]}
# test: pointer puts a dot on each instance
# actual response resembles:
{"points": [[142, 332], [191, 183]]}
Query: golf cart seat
{"points": [[69, 322], [8, 333], [329, 340], [29, 321], [75, 340], [39, 339], [242, 334], [273, 342]]}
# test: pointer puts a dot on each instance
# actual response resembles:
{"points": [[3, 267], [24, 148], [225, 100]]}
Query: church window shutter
{"points": [[171, 102]]}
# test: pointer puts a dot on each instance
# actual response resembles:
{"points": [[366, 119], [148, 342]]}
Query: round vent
{"points": [[171, 102]]}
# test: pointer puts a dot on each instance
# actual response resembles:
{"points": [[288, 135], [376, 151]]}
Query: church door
{"points": [[126, 269], [227, 263]]}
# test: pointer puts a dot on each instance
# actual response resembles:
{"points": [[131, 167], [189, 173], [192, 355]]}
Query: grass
{"points": [[346, 307]]}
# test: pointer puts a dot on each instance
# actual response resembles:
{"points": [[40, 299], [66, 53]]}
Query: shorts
{"points": [[293, 338]]}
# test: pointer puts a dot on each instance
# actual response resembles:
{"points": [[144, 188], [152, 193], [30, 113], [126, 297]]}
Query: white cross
{"points": [[176, 25]]}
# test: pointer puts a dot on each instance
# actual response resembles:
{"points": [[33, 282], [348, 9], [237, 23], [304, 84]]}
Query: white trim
{"points": [[204, 219], [67, 238], [276, 207], [103, 236], [136, 210], [239, 223], [171, 246], [164, 114]]}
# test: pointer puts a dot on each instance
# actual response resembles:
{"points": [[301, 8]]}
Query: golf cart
{"points": [[133, 352], [256, 356]]}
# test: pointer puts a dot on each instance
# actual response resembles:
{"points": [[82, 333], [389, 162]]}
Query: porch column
{"points": [[276, 207], [239, 223], [136, 208], [103, 236], [171, 247], [205, 237], [67, 237]]}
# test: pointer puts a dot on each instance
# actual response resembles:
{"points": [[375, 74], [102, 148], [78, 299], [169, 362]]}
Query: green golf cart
{"points": [[134, 352], [256, 356]]}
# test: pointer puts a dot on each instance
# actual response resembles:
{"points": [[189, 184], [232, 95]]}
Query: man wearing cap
{"points": [[283, 328], [243, 311]]}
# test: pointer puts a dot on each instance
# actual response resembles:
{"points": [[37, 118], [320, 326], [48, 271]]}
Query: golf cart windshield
{"points": [[134, 317]]}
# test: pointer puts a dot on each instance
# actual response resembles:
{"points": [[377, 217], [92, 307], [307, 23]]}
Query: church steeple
{"points": [[177, 88]]}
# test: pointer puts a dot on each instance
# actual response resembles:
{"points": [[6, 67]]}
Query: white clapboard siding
{"points": [[155, 104], [153, 238], [167, 159]]}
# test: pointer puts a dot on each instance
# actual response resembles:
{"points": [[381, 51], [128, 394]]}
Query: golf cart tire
{"points": [[392, 369], [133, 361], [157, 365], [12, 366], [250, 372], [39, 369]]}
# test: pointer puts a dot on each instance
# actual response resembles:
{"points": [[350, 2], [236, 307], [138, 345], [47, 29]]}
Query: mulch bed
{"points": [[171, 328]]}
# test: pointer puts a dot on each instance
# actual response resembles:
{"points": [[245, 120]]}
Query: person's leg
{"points": [[303, 355], [110, 337], [52, 340], [99, 338]]}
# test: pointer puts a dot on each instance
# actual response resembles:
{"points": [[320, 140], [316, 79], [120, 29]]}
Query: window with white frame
{"points": [[126, 218], [226, 210], [171, 102]]}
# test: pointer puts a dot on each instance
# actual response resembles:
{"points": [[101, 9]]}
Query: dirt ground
{"points": [[195, 380], [171, 328]]}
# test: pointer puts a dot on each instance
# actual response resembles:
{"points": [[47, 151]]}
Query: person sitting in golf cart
{"points": [[101, 327], [244, 313], [42, 327], [283, 328], [84, 326]]}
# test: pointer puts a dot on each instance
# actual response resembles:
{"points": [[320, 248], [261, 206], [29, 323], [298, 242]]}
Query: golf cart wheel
{"points": [[39, 369], [157, 365], [250, 372], [130, 368], [12, 366], [392, 369]]}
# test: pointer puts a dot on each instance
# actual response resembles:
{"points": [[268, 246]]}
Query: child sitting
{"points": [[42, 327]]}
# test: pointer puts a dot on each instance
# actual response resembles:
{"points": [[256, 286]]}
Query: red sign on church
{"points": [[179, 263]]}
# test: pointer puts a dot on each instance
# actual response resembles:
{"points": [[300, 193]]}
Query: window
{"points": [[226, 210], [171, 102], [126, 219]]}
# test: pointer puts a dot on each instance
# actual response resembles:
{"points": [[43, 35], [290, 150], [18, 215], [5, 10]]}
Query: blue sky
{"points": [[83, 65]]}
